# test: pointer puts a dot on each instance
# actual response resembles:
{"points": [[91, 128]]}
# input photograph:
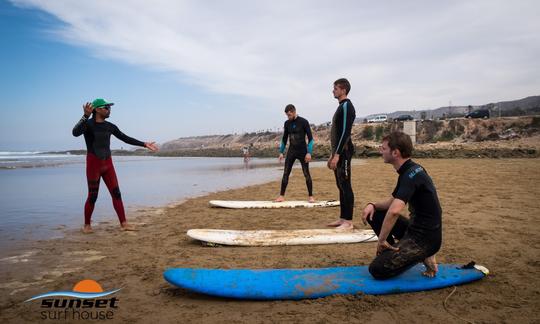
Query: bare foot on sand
{"points": [[279, 199], [336, 223], [431, 267], [87, 229], [311, 199], [346, 225], [127, 227]]}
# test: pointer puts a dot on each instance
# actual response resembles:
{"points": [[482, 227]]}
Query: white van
{"points": [[378, 119]]}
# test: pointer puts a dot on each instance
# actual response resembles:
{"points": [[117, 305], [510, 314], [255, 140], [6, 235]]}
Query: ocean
{"points": [[43, 194]]}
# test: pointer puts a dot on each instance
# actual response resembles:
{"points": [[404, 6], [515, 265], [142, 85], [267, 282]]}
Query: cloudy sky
{"points": [[179, 68]]}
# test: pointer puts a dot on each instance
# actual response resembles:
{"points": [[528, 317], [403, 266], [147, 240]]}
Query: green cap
{"points": [[100, 102]]}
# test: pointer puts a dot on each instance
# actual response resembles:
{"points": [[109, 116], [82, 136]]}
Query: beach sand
{"points": [[490, 215]]}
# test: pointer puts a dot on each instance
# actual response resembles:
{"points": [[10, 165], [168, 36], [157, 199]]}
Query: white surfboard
{"points": [[281, 237], [272, 204]]}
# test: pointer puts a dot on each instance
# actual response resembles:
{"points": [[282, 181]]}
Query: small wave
{"points": [[3, 153]]}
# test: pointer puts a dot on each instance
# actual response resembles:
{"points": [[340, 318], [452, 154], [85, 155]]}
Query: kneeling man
{"points": [[418, 237]]}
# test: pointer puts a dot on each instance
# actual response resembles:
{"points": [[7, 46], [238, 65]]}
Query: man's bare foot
{"points": [[336, 223], [346, 225], [431, 267], [127, 227], [311, 199], [279, 199], [87, 229]]}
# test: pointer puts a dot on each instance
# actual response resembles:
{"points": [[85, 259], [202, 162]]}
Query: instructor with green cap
{"points": [[97, 135]]}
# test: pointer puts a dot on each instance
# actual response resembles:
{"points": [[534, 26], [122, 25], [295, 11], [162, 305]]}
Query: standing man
{"points": [[420, 236], [296, 129], [342, 152], [97, 135]]}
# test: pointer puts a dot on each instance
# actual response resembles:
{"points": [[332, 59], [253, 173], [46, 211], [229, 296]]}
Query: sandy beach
{"points": [[490, 215]]}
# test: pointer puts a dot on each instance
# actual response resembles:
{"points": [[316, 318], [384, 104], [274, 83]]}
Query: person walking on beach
{"points": [[296, 129], [97, 135], [342, 152], [420, 235]]}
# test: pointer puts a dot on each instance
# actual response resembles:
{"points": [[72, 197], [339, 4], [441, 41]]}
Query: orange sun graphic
{"points": [[87, 286]]}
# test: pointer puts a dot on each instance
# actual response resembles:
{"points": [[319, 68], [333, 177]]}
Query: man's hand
{"points": [[151, 146], [384, 245], [332, 164], [368, 212], [280, 158], [87, 107], [307, 159]]}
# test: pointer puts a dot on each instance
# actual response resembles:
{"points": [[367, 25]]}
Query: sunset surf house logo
{"points": [[86, 301]]}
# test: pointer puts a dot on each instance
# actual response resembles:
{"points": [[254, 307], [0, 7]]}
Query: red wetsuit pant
{"points": [[95, 170]]}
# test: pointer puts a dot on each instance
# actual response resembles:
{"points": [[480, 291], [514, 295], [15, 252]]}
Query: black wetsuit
{"points": [[340, 138], [421, 236], [296, 131], [98, 136]]}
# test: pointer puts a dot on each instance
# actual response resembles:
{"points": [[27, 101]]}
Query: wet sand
{"points": [[490, 215]]}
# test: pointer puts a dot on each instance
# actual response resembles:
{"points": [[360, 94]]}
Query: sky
{"points": [[184, 68]]}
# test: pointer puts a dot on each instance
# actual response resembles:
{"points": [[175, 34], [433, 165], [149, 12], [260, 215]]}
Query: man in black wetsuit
{"points": [[420, 235], [97, 135], [296, 129], [342, 152]]}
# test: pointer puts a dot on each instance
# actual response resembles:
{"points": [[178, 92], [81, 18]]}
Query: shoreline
{"points": [[474, 208], [175, 179]]}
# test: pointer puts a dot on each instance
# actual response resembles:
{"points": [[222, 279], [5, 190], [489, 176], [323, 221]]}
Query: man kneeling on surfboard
{"points": [[296, 129], [420, 236]]}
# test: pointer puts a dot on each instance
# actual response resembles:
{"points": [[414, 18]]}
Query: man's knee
{"points": [[116, 193], [378, 270], [377, 218], [92, 197]]}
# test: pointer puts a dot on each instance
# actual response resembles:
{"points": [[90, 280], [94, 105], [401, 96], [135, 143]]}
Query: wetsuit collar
{"points": [[405, 166], [342, 101]]}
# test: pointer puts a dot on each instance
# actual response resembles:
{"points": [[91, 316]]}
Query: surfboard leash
{"points": [[449, 312]]}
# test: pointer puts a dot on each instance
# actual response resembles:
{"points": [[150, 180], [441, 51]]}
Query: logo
{"points": [[86, 301], [415, 172]]}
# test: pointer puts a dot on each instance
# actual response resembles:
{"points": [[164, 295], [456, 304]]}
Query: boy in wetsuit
{"points": [[296, 129], [420, 236], [97, 135]]}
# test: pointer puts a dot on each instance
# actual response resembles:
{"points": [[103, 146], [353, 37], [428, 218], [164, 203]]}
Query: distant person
{"points": [[296, 129], [97, 135], [245, 153], [342, 152], [419, 237]]}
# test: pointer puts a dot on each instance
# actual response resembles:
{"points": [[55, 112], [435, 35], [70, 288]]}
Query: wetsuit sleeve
{"points": [[124, 138], [405, 189], [310, 138], [346, 119], [283, 143], [80, 127]]}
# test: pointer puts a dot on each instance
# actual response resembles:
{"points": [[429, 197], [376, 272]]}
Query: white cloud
{"points": [[418, 54]]}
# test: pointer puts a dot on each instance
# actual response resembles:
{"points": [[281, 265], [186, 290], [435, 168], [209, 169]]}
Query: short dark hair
{"points": [[290, 107], [400, 141], [343, 84]]}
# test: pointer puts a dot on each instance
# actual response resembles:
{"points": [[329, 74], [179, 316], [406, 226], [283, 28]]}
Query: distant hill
{"points": [[526, 106]]}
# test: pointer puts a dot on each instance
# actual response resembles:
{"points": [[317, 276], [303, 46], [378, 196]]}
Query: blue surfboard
{"points": [[269, 284]]}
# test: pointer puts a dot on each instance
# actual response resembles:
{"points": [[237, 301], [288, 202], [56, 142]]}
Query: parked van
{"points": [[378, 119]]}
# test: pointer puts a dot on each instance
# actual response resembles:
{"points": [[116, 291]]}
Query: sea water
{"points": [[41, 194]]}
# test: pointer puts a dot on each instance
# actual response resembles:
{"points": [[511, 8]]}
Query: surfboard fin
{"points": [[473, 265]]}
